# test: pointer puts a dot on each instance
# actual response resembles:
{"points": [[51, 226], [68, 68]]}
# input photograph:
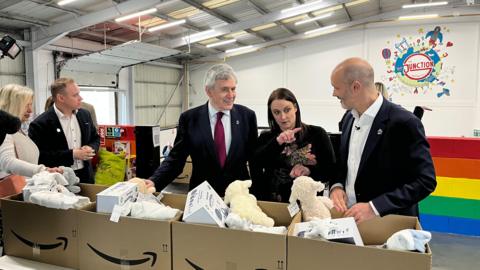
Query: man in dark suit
{"points": [[65, 133], [385, 161], [219, 136]]}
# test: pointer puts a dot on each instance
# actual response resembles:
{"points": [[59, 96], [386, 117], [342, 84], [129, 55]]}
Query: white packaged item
{"points": [[119, 193]]}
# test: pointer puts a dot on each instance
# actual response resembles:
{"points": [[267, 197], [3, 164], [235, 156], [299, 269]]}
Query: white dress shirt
{"points": [[72, 132], [226, 121], [358, 138]]}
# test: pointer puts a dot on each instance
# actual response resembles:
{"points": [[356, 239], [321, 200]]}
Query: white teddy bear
{"points": [[305, 190], [244, 204]]}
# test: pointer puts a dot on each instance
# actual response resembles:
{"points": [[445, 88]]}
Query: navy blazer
{"points": [[396, 169], [194, 139], [47, 133]]}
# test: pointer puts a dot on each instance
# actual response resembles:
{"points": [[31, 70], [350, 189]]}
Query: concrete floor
{"points": [[450, 251], [455, 252]]}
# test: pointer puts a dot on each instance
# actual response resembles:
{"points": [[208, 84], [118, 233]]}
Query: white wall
{"points": [[305, 66]]}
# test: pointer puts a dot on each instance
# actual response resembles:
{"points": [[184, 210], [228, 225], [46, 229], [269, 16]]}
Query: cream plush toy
{"points": [[244, 204], [305, 190], [142, 187]]}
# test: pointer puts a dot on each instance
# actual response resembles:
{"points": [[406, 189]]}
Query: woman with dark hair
{"points": [[288, 150]]}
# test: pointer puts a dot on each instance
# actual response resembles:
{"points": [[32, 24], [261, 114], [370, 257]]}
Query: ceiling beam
{"points": [[244, 25], [382, 17], [47, 35], [264, 11], [223, 18], [19, 18], [346, 12], [8, 3]]}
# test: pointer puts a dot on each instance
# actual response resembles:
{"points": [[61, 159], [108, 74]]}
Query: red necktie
{"points": [[219, 138]]}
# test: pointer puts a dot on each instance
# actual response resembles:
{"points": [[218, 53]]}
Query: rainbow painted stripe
{"points": [[454, 206]]}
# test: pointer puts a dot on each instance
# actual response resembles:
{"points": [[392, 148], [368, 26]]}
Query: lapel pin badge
{"points": [[238, 122], [379, 131], [58, 130]]}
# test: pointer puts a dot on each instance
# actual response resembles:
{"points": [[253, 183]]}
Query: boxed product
{"points": [[205, 206], [42, 234], [202, 246], [119, 193], [304, 253], [130, 243]]}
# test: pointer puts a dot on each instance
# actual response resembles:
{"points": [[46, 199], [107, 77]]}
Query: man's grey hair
{"points": [[219, 72]]}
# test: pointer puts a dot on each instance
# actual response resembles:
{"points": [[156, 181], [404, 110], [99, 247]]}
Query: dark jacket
{"points": [[194, 139], [396, 169], [47, 133], [272, 167]]}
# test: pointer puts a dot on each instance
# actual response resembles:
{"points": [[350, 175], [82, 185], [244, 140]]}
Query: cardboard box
{"points": [[308, 253], [42, 234], [198, 246], [131, 243], [119, 193], [205, 206]]}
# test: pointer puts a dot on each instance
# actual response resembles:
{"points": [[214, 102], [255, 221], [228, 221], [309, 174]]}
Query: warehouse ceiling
{"points": [[84, 26]]}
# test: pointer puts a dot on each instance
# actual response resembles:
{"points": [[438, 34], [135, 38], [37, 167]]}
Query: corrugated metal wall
{"points": [[153, 88], [12, 71]]}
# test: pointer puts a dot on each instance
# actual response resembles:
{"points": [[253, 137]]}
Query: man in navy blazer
{"points": [[385, 161], [198, 132], [65, 133]]}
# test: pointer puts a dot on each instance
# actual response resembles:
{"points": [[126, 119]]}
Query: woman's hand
{"points": [[287, 136], [54, 170], [299, 170]]}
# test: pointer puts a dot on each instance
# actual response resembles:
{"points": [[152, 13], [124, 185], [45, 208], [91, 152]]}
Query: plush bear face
{"points": [[236, 188]]}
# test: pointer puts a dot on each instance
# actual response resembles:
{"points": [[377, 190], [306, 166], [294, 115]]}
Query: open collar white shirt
{"points": [[72, 132], [226, 121], [358, 138]]}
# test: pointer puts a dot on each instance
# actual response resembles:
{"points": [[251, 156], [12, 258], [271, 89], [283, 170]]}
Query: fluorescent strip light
{"points": [[137, 14], [354, 3], [417, 17], [201, 36], [429, 4], [65, 2], [320, 29], [239, 49], [303, 8], [223, 42], [314, 19], [166, 25]]}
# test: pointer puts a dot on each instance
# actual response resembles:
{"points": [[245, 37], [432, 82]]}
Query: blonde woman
{"points": [[18, 153]]}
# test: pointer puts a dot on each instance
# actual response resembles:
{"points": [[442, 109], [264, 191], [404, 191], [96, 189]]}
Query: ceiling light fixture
{"points": [[137, 14], [320, 29], [166, 25], [429, 4], [314, 19], [201, 36], [304, 8], [417, 17], [239, 49], [221, 43], [65, 2]]}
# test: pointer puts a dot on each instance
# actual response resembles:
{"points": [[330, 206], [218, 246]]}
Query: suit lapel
{"points": [[345, 138], [81, 123], [55, 123], [206, 131], [375, 134], [235, 132]]}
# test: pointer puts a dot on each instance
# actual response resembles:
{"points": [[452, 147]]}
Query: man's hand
{"points": [[83, 153], [288, 136], [360, 212], [149, 183], [299, 170], [339, 198]]}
